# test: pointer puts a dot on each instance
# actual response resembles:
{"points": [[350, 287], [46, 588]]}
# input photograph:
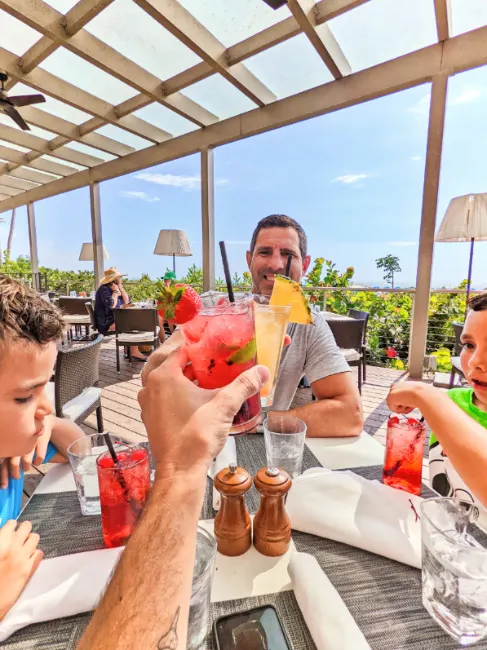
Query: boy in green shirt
{"points": [[473, 400]]}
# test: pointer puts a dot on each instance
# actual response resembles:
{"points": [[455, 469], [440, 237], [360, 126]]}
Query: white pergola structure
{"points": [[36, 167]]}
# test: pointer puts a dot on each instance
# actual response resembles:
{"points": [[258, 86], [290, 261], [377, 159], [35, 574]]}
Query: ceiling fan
{"points": [[9, 105]]}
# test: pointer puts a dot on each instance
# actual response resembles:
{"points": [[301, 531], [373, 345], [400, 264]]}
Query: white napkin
{"points": [[227, 455], [348, 508], [330, 623], [62, 586]]}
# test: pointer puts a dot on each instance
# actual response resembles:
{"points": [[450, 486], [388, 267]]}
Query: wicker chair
{"points": [[75, 393], [357, 314], [135, 327], [456, 368], [349, 336]]}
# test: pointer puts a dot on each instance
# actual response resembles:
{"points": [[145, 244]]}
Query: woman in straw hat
{"points": [[111, 295]]}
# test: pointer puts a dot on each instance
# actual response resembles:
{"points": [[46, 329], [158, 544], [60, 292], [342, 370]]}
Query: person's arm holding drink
{"points": [[463, 439], [123, 293], [151, 611]]}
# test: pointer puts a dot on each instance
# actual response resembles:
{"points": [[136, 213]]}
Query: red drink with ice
{"points": [[403, 462], [221, 345], [124, 488]]}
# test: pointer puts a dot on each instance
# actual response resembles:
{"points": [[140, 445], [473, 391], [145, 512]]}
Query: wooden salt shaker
{"points": [[233, 528], [272, 526]]}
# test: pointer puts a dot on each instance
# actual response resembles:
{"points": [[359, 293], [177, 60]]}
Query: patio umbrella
{"points": [[86, 253], [173, 242], [465, 220]]}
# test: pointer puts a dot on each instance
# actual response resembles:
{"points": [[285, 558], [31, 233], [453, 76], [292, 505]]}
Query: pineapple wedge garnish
{"points": [[288, 292]]}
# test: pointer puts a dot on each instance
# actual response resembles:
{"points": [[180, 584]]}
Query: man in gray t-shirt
{"points": [[312, 351]]}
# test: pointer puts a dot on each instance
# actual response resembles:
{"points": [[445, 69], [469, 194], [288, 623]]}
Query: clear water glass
{"points": [[199, 606], [284, 437], [82, 454], [455, 567]]}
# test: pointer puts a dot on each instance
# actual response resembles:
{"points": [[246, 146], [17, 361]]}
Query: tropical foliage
{"points": [[390, 313]]}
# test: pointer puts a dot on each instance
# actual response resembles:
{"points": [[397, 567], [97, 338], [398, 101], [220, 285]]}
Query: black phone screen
{"points": [[257, 629]]}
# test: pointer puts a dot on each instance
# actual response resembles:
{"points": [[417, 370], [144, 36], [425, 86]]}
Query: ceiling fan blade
{"points": [[16, 117], [26, 100]]}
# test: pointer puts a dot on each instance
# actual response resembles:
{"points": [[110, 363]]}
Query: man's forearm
{"points": [[152, 582], [329, 418], [463, 439]]}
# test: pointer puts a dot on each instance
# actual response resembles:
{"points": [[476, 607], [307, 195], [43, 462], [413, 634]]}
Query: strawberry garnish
{"points": [[179, 302]]}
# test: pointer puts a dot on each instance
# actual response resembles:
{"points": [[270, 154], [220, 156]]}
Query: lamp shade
{"points": [[465, 219], [86, 254], [172, 242]]}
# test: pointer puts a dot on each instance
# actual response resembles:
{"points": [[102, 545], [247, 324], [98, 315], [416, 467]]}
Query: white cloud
{"points": [[466, 96], [417, 158], [348, 179], [402, 243], [143, 196], [188, 183], [422, 107]]}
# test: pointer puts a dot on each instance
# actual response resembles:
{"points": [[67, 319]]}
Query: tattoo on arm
{"points": [[170, 640]]}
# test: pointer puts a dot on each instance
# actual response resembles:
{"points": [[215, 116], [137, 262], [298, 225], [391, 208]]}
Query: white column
{"points": [[208, 217], [34, 255], [419, 325], [96, 232]]}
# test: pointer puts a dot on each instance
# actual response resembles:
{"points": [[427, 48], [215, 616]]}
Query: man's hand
{"points": [[187, 425], [405, 396], [19, 558], [161, 354], [11, 466]]}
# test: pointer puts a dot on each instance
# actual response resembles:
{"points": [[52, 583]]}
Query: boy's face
{"points": [[25, 369], [474, 354]]}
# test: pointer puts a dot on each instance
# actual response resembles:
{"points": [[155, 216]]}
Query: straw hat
{"points": [[111, 274]]}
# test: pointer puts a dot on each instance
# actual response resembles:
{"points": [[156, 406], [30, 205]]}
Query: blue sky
{"points": [[353, 178]]}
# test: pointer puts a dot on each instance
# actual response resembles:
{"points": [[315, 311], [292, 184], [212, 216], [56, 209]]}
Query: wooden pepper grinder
{"points": [[272, 526], [233, 528]]}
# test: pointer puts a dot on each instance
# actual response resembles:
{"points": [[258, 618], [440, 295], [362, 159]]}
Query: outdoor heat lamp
{"points": [[276, 4]]}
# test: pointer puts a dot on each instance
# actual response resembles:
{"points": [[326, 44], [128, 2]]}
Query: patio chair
{"points": [[362, 315], [456, 367], [74, 313], [75, 393], [135, 327], [349, 336]]}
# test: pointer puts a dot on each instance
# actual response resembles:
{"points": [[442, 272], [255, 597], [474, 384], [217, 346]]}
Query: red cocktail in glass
{"points": [[124, 488], [403, 462], [220, 341]]}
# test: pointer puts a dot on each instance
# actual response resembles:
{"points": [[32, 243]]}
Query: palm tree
{"points": [[11, 233]]}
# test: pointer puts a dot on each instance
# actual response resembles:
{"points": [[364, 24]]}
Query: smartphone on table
{"points": [[255, 629]]}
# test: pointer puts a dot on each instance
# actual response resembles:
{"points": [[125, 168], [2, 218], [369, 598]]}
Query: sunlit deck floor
{"points": [[121, 411]]}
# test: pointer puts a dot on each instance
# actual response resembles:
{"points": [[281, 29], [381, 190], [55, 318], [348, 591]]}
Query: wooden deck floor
{"points": [[121, 411]]}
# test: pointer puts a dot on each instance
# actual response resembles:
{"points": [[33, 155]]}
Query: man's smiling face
{"points": [[270, 255]]}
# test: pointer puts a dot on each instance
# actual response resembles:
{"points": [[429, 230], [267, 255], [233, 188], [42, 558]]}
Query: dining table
{"points": [[383, 596]]}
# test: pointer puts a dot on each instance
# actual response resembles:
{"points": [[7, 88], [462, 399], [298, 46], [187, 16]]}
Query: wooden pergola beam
{"points": [[48, 83], [458, 54], [71, 131], [19, 158], [322, 39], [18, 183], [443, 19], [182, 24], [25, 173], [420, 316], [40, 16], [25, 139]]}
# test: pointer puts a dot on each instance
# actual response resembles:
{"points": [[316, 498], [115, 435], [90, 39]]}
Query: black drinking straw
{"points": [[288, 265], [226, 269], [114, 456]]}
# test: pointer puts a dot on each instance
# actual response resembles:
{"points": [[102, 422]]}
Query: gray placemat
{"points": [[287, 610], [60, 634], [63, 529], [251, 456]]}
